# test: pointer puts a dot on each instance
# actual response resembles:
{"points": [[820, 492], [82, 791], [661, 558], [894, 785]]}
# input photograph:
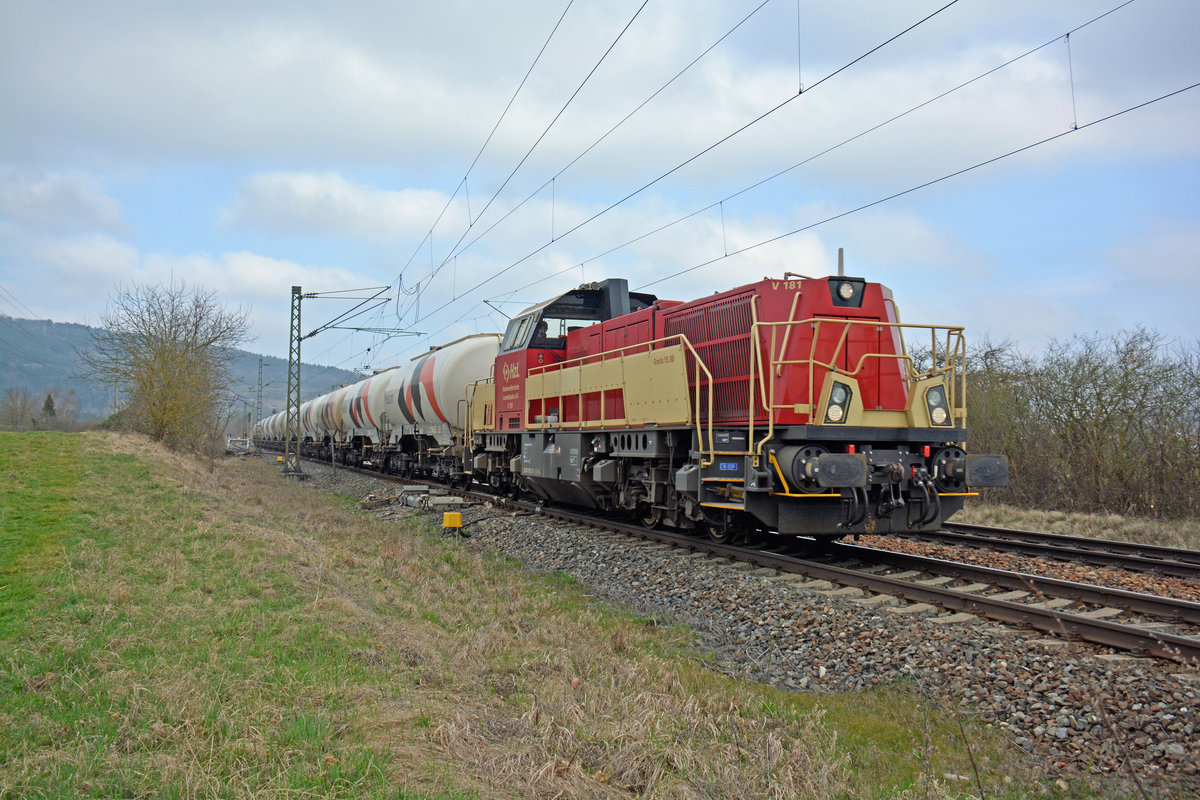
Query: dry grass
{"points": [[230, 633]]}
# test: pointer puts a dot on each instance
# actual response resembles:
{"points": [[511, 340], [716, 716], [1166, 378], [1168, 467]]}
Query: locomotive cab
{"points": [[542, 334], [849, 430]]}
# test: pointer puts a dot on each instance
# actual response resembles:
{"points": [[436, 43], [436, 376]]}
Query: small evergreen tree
{"points": [[48, 409]]}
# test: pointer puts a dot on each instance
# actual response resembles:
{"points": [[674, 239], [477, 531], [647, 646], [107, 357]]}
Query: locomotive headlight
{"points": [[937, 405], [839, 401], [846, 291]]}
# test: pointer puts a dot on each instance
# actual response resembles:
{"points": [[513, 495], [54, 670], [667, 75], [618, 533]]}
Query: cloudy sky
{"points": [[478, 157]]}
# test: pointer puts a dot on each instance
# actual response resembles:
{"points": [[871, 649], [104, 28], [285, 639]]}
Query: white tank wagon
{"points": [[275, 425], [363, 409], [327, 419], [428, 395], [408, 419], [317, 413]]}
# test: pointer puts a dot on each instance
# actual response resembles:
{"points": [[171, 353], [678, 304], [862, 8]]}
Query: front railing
{"points": [[947, 360]]}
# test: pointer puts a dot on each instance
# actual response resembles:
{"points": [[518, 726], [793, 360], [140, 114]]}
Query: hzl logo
{"points": [[512, 370]]}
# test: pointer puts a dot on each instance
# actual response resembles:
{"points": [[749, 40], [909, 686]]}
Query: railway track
{"points": [[1163, 627], [1045, 614], [1170, 561]]}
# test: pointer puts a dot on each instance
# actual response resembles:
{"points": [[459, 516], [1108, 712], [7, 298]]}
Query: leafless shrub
{"points": [[18, 411], [167, 349], [1102, 424]]}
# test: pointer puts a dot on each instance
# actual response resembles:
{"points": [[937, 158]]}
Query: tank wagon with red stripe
{"points": [[790, 405]]}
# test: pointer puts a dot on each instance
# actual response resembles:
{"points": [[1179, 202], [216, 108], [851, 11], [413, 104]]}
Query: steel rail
{"points": [[1170, 561], [1151, 551], [1167, 608], [1131, 638], [1184, 649]]}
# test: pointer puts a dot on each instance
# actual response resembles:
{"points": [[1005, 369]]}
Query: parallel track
{"points": [[1171, 561], [1130, 637], [1140, 640]]}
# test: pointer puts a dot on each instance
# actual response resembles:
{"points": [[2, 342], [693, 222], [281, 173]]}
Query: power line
{"points": [[609, 132], [828, 150], [463, 182], [689, 160], [543, 135], [925, 185]]}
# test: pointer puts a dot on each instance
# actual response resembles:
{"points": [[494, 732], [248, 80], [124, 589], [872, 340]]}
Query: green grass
{"points": [[166, 631], [37, 482], [146, 650]]}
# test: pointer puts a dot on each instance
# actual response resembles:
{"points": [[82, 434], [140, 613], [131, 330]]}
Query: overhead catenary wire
{"points": [[757, 184], [695, 156], [463, 183], [435, 270], [1073, 129], [610, 131]]}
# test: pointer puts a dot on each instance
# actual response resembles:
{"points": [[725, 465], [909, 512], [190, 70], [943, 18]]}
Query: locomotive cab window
{"points": [[517, 334], [551, 332]]}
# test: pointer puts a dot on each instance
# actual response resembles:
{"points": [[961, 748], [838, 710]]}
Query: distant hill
{"points": [[41, 355]]}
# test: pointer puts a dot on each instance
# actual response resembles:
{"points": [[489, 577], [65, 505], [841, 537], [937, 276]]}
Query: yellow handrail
{"points": [[952, 356], [679, 338], [469, 396]]}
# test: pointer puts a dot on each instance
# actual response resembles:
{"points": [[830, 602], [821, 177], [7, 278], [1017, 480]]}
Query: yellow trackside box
{"points": [[452, 519]]}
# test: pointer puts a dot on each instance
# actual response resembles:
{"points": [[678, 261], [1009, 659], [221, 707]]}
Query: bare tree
{"points": [[18, 409], [1095, 424], [168, 348], [66, 410]]}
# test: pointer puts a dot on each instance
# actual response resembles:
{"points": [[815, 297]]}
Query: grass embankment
{"points": [[170, 632]]}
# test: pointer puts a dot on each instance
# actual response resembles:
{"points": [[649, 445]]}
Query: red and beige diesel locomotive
{"points": [[789, 405]]}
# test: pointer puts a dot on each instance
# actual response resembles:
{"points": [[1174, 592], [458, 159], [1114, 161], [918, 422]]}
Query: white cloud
{"points": [[57, 202], [85, 269], [354, 124], [1170, 253], [326, 203], [417, 82]]}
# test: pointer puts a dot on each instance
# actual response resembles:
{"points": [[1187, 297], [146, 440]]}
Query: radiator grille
{"points": [[720, 332]]}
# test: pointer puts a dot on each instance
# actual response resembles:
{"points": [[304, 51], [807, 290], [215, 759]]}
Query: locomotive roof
{"points": [[598, 301]]}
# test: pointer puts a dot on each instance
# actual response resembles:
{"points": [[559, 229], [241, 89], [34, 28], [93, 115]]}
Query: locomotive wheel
{"points": [[721, 529], [650, 517]]}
